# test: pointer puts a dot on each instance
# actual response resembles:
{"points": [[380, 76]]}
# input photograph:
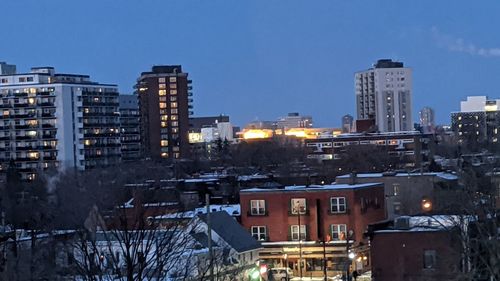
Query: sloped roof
{"points": [[231, 231]]}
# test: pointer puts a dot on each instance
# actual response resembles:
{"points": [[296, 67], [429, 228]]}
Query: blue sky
{"points": [[262, 59]]}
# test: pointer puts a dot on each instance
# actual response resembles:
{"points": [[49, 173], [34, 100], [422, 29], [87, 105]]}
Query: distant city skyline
{"points": [[261, 60]]}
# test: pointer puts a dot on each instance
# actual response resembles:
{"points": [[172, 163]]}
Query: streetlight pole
{"points": [[348, 237], [324, 257], [297, 208]]}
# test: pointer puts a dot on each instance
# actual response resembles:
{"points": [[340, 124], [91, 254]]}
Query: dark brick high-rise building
{"points": [[164, 104]]}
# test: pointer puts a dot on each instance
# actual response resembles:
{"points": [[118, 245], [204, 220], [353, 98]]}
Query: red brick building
{"points": [[421, 248], [330, 213]]}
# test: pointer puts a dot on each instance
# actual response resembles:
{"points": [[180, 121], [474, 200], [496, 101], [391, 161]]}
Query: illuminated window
{"points": [[163, 98], [177, 155], [161, 80], [173, 111], [173, 86], [163, 124], [175, 117], [98, 152], [32, 122], [32, 90], [86, 110], [31, 101], [298, 206], [87, 142], [6, 113], [173, 92], [162, 92], [175, 148], [33, 155], [173, 105], [164, 155], [163, 105], [175, 124], [164, 117], [31, 133], [173, 98], [172, 79], [175, 130], [162, 86], [164, 143]]}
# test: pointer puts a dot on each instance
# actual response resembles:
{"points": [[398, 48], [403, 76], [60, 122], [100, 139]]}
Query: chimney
{"points": [[352, 178]]}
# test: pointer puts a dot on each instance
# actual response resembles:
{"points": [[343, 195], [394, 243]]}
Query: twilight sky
{"points": [[260, 59]]}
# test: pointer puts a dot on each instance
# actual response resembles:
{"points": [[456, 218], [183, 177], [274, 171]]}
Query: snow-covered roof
{"points": [[252, 177], [429, 223], [312, 187], [443, 175], [232, 209]]}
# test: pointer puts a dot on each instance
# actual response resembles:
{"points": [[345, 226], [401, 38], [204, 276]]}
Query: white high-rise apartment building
{"points": [[54, 121], [383, 93]]}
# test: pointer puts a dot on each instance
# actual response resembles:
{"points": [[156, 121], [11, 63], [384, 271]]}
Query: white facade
{"points": [[384, 93], [479, 103], [220, 130], [57, 121]]}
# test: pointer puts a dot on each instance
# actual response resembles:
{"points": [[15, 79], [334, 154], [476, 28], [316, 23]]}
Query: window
{"points": [[173, 105], [172, 79], [297, 232], [174, 117], [163, 117], [164, 142], [429, 259], [337, 205], [259, 233], [175, 124], [257, 207], [163, 104], [161, 80], [173, 92], [397, 208], [174, 111], [173, 86], [298, 206], [338, 232], [173, 98], [162, 86], [162, 92], [395, 188]]}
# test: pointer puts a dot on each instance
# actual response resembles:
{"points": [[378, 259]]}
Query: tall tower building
{"points": [[294, 120], [426, 116], [383, 93], [51, 120], [347, 123], [165, 105], [130, 134], [478, 122]]}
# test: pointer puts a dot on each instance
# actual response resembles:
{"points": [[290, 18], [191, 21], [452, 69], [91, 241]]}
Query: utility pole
{"points": [[209, 235]]}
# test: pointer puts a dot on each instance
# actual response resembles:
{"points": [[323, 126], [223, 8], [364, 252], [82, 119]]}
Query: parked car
{"points": [[282, 273]]}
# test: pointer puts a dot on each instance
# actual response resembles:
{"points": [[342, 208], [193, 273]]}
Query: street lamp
{"points": [[426, 205], [350, 255]]}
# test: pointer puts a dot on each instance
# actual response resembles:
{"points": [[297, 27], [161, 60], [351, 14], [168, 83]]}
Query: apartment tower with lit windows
{"points": [[165, 106], [54, 121], [383, 94]]}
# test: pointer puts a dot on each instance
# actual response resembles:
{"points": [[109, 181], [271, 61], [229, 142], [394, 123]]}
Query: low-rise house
{"points": [[307, 227], [406, 193], [418, 248]]}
